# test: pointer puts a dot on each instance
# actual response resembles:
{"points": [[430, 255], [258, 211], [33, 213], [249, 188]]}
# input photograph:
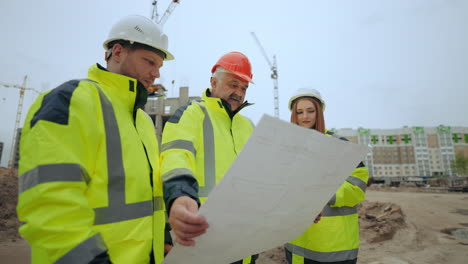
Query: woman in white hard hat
{"points": [[335, 238]]}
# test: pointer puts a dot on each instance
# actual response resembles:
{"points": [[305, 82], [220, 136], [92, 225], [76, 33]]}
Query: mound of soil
{"points": [[379, 221], [9, 222]]}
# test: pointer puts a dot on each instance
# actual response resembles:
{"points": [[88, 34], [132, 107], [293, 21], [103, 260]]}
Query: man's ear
{"points": [[213, 81], [118, 52]]}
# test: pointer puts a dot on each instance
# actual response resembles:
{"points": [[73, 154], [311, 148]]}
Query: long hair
{"points": [[319, 120]]}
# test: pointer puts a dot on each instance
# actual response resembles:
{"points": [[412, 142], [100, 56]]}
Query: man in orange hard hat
{"points": [[200, 142]]}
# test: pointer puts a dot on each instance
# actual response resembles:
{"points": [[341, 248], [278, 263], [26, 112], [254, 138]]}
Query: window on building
{"points": [[457, 138], [406, 138]]}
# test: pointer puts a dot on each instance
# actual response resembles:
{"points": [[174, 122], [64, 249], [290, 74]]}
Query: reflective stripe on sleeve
{"points": [[179, 144], [84, 252], [64, 172], [357, 182], [209, 155], [323, 256], [176, 172], [339, 211]]}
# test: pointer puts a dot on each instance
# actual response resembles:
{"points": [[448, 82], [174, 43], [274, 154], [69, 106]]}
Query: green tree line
{"points": [[460, 165]]}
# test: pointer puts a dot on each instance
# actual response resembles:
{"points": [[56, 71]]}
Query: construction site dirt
{"points": [[398, 226]]}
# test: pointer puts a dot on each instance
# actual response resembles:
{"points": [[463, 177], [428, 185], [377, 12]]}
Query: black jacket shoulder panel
{"points": [[55, 105], [175, 118]]}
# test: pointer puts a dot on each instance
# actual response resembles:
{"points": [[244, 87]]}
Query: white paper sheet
{"points": [[272, 193]]}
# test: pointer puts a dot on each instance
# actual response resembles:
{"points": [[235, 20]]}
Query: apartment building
{"points": [[410, 151]]}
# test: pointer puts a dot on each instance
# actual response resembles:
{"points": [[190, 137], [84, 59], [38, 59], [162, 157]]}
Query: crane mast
{"points": [[154, 12], [155, 16], [18, 114], [274, 74]]}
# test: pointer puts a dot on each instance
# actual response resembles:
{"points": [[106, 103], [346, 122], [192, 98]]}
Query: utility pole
{"points": [[18, 114], [274, 74]]}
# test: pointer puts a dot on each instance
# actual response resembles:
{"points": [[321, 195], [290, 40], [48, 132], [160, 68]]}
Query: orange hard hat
{"points": [[237, 63]]}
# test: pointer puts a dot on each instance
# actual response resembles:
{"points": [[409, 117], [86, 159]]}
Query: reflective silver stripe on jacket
{"points": [[66, 172], [176, 172], [85, 252], [209, 149], [323, 256], [158, 203], [354, 181], [339, 211], [357, 182], [179, 144], [117, 210]]}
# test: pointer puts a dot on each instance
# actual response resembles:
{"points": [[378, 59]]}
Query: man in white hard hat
{"points": [[90, 190]]}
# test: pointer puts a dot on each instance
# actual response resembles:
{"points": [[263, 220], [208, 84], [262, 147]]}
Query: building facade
{"points": [[410, 151], [396, 154]]}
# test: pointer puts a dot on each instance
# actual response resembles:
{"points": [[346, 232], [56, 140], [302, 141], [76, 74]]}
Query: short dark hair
{"points": [[133, 46]]}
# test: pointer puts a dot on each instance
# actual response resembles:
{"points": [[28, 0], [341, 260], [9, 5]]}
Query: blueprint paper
{"points": [[272, 193]]}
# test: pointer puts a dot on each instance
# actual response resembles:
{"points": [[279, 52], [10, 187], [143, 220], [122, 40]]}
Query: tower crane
{"points": [[18, 114], [165, 16], [274, 73]]}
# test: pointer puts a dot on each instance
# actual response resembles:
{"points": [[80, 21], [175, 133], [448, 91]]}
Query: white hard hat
{"points": [[136, 28], [306, 92]]}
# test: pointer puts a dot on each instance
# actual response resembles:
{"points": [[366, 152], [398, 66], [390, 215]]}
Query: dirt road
{"points": [[421, 241], [427, 215]]}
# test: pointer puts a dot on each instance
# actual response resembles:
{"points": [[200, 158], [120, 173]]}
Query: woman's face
{"points": [[306, 113]]}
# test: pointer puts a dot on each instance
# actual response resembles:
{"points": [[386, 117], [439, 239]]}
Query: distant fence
{"points": [[435, 184]]}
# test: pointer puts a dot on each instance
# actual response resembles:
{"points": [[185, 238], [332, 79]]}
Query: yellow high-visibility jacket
{"points": [[199, 143], [89, 174], [336, 236]]}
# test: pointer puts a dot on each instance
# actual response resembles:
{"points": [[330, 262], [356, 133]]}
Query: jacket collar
{"points": [[126, 90], [220, 104]]}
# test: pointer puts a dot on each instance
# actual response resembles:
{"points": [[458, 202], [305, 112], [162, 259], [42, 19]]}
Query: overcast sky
{"points": [[378, 64]]}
